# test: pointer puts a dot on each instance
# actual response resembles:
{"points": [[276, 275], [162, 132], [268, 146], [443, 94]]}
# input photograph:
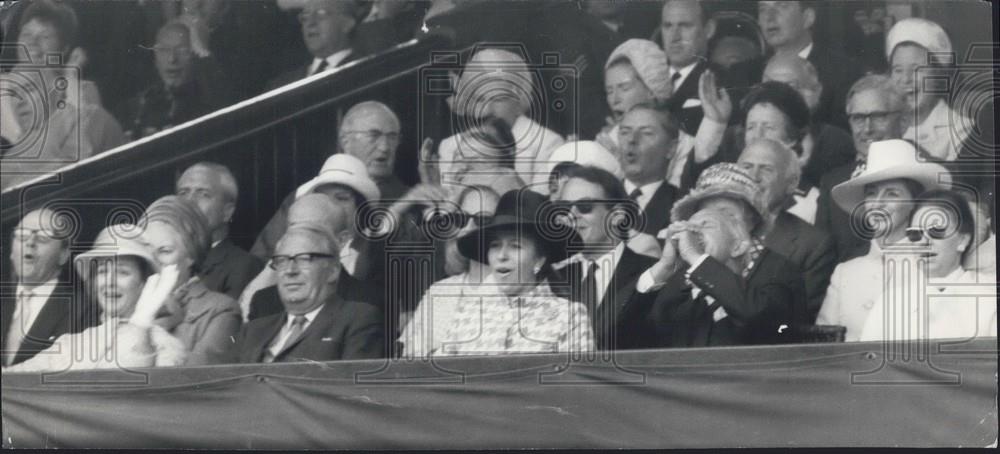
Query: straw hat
{"points": [[118, 240], [720, 180]]}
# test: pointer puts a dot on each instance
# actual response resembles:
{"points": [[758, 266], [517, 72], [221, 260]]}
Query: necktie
{"points": [[323, 64], [590, 298], [635, 194], [674, 78], [17, 329], [298, 323]]}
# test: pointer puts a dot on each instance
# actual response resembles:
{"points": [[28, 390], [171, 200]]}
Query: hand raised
{"points": [[429, 166], [715, 102], [154, 294]]}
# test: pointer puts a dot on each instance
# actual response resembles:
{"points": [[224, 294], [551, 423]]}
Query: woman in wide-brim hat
{"points": [[514, 310], [115, 272], [882, 198]]}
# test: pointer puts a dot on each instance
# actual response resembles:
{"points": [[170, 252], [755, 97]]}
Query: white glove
{"points": [[156, 291]]}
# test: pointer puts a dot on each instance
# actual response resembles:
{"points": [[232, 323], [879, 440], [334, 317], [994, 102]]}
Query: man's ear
{"points": [[809, 17], [227, 211], [740, 248], [334, 273], [709, 29], [966, 243], [64, 255]]}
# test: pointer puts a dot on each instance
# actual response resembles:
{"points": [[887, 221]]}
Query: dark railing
{"points": [[272, 142]]}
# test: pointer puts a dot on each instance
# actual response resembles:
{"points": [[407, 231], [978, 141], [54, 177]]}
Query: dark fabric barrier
{"points": [[809, 395]]}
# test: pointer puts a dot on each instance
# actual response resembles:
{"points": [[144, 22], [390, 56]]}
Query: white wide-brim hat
{"points": [[584, 153], [343, 169], [890, 160], [120, 240]]}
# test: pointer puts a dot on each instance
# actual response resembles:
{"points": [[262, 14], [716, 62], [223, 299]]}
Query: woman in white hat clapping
{"points": [[883, 195], [114, 273]]}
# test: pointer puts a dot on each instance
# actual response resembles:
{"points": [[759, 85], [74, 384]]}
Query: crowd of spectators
{"points": [[735, 182]]}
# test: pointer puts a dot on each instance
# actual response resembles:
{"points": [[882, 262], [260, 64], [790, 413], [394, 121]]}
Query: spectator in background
{"points": [[204, 320], [775, 111], [788, 28], [918, 52], [649, 139], [213, 189], [43, 307], [497, 83], [737, 39], [370, 132], [188, 86], [875, 110], [884, 192], [831, 146], [328, 29], [316, 324], [635, 73], [685, 29], [72, 126], [774, 167], [983, 255]]}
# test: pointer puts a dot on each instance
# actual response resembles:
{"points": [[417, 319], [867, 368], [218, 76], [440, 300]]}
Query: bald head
{"points": [[370, 132], [798, 73], [775, 167], [317, 210]]}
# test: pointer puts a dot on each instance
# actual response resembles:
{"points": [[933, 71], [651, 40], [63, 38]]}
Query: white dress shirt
{"points": [[804, 53], [331, 61], [286, 330], [941, 134], [606, 266], [647, 192], [684, 72], [26, 312]]}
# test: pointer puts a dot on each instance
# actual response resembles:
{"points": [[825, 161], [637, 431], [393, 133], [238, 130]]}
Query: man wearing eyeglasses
{"points": [[874, 111], [188, 86], [316, 324], [328, 29], [604, 273], [43, 306], [370, 132]]}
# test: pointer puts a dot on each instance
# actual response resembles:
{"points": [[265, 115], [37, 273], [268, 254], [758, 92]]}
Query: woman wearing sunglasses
{"points": [[882, 197], [950, 304]]}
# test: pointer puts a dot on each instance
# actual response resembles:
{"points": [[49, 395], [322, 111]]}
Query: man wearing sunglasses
{"points": [[42, 307], [316, 323], [603, 274]]}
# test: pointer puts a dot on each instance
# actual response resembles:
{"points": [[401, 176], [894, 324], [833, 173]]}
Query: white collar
{"points": [[332, 60], [683, 71], [39, 292], [647, 190], [804, 53], [310, 316]]}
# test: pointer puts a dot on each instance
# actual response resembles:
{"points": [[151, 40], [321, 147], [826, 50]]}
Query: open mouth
{"points": [[292, 286], [503, 272]]}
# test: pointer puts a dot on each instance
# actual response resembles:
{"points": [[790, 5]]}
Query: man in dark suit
{"points": [[776, 169], [328, 29], [316, 323], [603, 274], [874, 108], [648, 138], [788, 28], [43, 306], [732, 292], [213, 189], [686, 26]]}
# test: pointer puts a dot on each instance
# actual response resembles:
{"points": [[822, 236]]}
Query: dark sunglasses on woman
{"points": [[916, 234]]}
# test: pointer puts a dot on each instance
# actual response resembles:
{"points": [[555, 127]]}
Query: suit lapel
{"points": [[216, 256], [46, 326], [6, 317], [271, 329], [657, 211], [619, 290], [689, 88], [318, 325]]}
